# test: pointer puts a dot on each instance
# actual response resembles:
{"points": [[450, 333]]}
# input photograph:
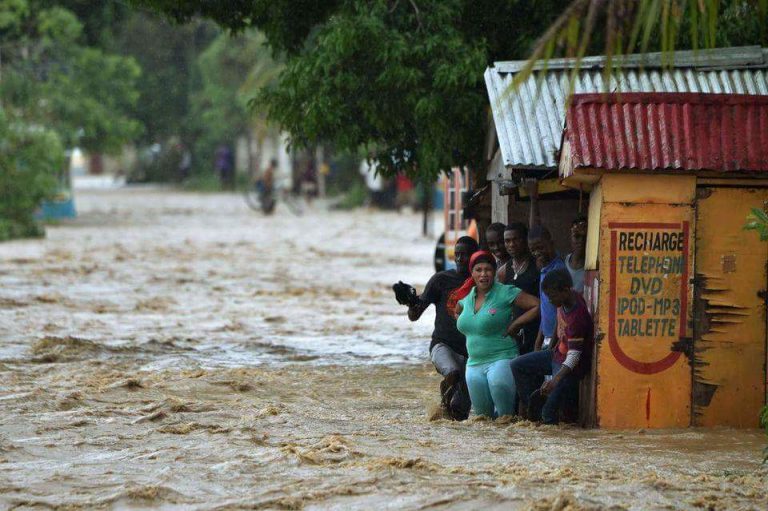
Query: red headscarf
{"points": [[481, 256]]}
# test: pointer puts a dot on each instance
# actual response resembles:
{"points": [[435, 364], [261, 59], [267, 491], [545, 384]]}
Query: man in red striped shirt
{"points": [[570, 357]]}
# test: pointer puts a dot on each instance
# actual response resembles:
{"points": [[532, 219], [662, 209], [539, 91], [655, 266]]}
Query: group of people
{"points": [[513, 335]]}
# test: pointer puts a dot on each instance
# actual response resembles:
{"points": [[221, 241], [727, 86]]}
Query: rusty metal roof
{"points": [[529, 122], [681, 132]]}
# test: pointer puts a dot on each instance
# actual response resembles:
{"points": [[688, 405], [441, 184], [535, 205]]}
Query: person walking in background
{"points": [[570, 357], [484, 311], [448, 349], [521, 271], [406, 192], [224, 162]]}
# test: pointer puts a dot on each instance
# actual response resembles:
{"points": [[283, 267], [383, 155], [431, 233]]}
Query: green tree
{"points": [[167, 55], [83, 94], [54, 93], [402, 79], [232, 69]]}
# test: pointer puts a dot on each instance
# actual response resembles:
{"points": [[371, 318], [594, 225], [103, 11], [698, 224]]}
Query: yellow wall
{"points": [[730, 354], [593, 227], [641, 381]]}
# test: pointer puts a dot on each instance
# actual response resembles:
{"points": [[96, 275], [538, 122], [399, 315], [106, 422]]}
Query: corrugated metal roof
{"points": [[689, 132], [529, 122]]}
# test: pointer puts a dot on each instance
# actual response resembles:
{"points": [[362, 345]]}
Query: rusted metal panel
{"points": [[730, 316], [530, 120], [668, 132], [643, 377]]}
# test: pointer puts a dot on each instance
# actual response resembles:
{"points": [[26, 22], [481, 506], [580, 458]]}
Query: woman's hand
{"points": [[514, 328], [531, 305]]}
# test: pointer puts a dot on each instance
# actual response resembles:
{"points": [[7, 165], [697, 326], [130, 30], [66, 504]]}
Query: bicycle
{"points": [[263, 199]]}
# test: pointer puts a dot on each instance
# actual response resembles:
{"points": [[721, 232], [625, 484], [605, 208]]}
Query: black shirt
{"points": [[437, 291], [528, 281]]}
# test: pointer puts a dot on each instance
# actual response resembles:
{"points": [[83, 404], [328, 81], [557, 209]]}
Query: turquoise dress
{"points": [[486, 330]]}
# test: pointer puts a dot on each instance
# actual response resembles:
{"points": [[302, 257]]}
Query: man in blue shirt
{"points": [[543, 251]]}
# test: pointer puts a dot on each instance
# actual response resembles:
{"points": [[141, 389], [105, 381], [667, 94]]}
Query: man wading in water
{"points": [[448, 349]]}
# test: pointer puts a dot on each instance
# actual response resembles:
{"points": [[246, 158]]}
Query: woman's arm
{"points": [[531, 306]]}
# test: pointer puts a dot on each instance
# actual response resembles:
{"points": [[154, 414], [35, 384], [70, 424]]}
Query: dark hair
{"points": [[557, 280], [273, 162], [539, 232], [519, 227], [496, 227], [470, 242], [580, 219]]}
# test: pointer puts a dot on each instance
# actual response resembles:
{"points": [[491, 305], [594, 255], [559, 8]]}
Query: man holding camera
{"points": [[448, 349]]}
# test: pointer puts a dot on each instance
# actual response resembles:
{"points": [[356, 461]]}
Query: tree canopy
{"points": [[402, 79], [50, 79], [56, 92]]}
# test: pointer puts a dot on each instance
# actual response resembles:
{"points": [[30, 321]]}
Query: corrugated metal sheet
{"points": [[529, 122], [647, 131]]}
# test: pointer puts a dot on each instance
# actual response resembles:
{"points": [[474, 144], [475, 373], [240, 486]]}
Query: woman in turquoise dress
{"points": [[484, 311]]}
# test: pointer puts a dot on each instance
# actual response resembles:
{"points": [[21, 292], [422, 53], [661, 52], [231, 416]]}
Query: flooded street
{"points": [[179, 351]]}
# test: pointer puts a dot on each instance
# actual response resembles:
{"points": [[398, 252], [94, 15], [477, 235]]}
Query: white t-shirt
{"points": [[577, 275]]}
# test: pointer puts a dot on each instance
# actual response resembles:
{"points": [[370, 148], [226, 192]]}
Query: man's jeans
{"points": [[529, 371], [448, 362]]}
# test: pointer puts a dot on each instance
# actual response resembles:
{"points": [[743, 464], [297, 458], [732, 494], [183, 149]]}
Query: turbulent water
{"points": [[178, 351]]}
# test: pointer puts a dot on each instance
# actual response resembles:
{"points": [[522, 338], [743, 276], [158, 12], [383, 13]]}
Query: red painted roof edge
{"points": [[697, 98]]}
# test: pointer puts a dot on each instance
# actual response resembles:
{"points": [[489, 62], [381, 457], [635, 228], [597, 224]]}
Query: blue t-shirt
{"points": [[549, 311], [486, 330]]}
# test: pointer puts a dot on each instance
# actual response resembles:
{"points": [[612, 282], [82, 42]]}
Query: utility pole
{"points": [[426, 203]]}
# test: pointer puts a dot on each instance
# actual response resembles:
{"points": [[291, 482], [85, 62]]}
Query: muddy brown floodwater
{"points": [[177, 351]]}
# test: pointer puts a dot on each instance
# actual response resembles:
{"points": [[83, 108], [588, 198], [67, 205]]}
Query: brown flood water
{"points": [[178, 351]]}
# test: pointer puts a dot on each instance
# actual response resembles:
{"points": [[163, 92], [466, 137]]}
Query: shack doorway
{"points": [[729, 344]]}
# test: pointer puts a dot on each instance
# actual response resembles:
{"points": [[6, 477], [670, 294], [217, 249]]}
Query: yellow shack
{"points": [[675, 285]]}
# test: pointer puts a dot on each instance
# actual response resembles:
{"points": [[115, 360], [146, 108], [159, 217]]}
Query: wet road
{"points": [[178, 351]]}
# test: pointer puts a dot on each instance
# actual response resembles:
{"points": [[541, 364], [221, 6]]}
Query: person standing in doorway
{"points": [[521, 272], [570, 357], [575, 260], [494, 240], [543, 251]]}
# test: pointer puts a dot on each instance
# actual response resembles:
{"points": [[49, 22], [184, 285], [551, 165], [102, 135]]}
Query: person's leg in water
{"points": [[479, 390], [550, 413], [528, 371], [502, 387], [453, 390]]}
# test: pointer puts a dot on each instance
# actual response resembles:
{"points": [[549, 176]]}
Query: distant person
{"points": [[185, 162], [567, 361], [485, 316], [266, 182], [309, 182], [574, 261], [448, 349], [521, 271], [406, 192], [494, 240], [225, 166]]}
